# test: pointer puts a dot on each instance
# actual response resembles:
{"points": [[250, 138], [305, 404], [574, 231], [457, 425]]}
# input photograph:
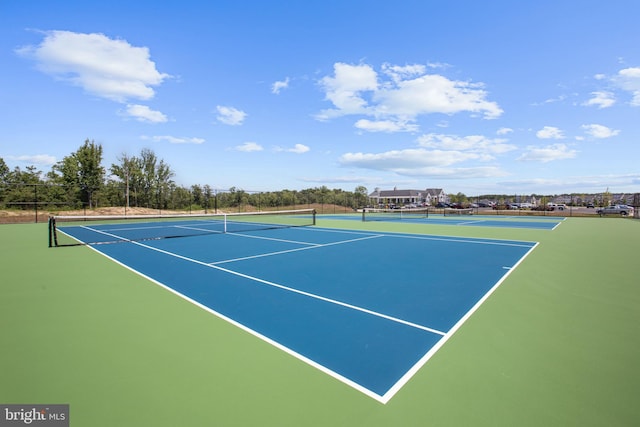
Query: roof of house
{"points": [[406, 193]]}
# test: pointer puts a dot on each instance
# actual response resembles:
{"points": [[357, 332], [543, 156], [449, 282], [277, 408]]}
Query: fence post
{"points": [[35, 203]]}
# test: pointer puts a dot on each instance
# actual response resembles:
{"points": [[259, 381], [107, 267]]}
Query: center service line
{"points": [[286, 288]]}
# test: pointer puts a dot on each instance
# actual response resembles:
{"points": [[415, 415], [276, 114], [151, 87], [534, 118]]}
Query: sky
{"points": [[493, 97]]}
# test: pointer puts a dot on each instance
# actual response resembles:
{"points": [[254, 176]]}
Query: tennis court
{"points": [[367, 308], [554, 344], [468, 220]]}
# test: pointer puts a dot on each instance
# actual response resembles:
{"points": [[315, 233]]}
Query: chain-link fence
{"points": [[36, 202]]}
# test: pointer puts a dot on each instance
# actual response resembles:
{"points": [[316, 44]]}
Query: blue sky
{"points": [[473, 97]]}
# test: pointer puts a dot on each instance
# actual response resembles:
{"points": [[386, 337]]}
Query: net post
{"points": [[224, 223], [313, 214], [53, 238], [364, 214]]}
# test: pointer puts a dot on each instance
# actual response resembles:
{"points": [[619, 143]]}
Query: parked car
{"points": [[623, 210], [559, 206]]}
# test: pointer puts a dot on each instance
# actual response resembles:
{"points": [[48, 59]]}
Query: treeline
{"points": [[80, 181]]}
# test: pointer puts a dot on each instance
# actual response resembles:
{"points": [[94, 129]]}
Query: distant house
{"points": [[623, 199], [435, 196], [395, 197]]}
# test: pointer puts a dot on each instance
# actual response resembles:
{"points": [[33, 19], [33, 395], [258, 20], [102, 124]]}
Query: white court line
{"points": [[251, 236], [478, 241], [402, 235], [286, 288], [472, 222], [400, 383], [415, 368], [315, 246], [250, 331]]}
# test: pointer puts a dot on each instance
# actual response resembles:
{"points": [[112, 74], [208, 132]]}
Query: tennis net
{"points": [[465, 211], [72, 230], [373, 214]]}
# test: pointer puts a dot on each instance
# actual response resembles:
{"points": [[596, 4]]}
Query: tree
{"points": [[148, 162], [82, 170], [91, 172], [197, 197], [20, 185], [126, 171], [163, 182], [147, 177], [606, 198], [4, 171], [361, 196], [208, 195]]}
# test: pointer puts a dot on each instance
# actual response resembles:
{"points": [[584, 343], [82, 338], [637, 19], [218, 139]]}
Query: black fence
{"points": [[36, 202]]}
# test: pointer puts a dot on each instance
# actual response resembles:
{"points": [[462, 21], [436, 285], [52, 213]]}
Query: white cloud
{"points": [[405, 159], [175, 140], [550, 132], [504, 131], [345, 88], [559, 98], [437, 155], [441, 65], [36, 159], [105, 67], [357, 180], [230, 116], [588, 183], [547, 154], [248, 147], [400, 93], [279, 85], [434, 94], [629, 79], [143, 113], [471, 143], [421, 162], [399, 73], [601, 99], [298, 149], [599, 131], [385, 126]]}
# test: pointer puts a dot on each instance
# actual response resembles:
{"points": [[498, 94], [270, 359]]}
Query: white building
{"points": [[395, 197]]}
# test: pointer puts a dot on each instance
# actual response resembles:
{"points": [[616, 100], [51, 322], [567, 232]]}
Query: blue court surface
{"points": [[500, 221], [367, 308]]}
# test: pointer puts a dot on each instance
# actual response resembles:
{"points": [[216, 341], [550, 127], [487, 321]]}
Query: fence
{"points": [[36, 202]]}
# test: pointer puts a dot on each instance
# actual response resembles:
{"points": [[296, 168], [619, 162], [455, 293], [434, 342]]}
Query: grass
{"points": [[556, 344]]}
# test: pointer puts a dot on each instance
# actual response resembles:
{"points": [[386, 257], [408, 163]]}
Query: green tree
{"points": [[361, 196], [163, 183], [91, 172], [82, 171], [128, 173], [20, 187], [4, 171], [148, 161], [145, 178], [208, 196], [606, 198], [197, 196]]}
